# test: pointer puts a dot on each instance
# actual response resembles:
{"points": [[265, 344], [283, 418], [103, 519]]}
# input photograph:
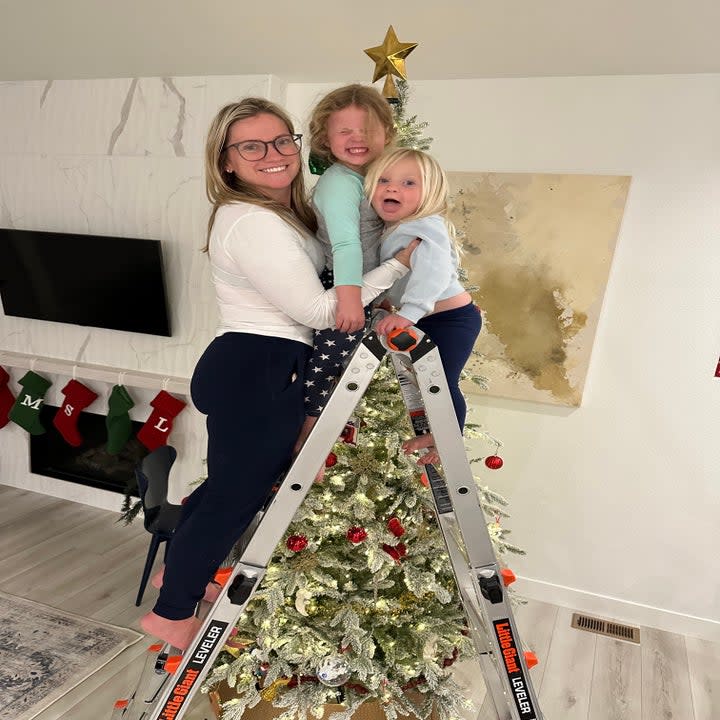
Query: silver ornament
{"points": [[333, 671]]}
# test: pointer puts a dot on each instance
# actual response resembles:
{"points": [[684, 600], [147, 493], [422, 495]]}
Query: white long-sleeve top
{"points": [[265, 274]]}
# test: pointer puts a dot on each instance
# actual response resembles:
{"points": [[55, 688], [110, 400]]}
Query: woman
{"points": [[250, 380]]}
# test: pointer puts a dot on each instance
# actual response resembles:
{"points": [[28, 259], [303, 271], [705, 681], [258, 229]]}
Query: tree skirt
{"points": [[45, 652]]}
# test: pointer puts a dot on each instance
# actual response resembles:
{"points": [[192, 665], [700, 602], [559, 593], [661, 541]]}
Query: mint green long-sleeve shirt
{"points": [[348, 228]]}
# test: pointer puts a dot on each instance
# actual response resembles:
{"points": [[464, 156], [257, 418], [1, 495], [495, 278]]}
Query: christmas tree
{"points": [[409, 129], [359, 602]]}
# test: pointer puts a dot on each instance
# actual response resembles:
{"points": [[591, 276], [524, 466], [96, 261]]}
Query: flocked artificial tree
{"points": [[359, 602]]}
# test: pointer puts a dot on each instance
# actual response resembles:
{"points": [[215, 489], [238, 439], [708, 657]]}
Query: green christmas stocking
{"points": [[26, 410], [118, 423]]}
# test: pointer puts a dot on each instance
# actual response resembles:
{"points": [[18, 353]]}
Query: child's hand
{"points": [[349, 317], [390, 323]]}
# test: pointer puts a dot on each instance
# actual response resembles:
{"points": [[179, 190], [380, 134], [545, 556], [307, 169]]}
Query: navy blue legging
{"points": [[454, 332], [251, 389]]}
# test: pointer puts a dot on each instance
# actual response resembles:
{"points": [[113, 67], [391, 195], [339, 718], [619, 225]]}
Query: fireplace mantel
{"points": [[99, 373]]}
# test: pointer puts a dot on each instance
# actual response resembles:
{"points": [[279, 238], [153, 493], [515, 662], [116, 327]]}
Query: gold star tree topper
{"points": [[390, 60]]}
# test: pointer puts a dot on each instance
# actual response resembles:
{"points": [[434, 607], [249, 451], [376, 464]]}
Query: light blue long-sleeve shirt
{"points": [[433, 272]]}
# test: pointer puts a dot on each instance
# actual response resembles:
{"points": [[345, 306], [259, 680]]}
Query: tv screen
{"points": [[106, 282]]}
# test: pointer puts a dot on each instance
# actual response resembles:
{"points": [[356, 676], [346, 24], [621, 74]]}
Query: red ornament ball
{"points": [[356, 534], [395, 527], [296, 543], [494, 462], [330, 460], [395, 552]]}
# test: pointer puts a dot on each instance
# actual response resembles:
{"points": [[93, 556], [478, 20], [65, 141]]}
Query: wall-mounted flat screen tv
{"points": [[94, 280]]}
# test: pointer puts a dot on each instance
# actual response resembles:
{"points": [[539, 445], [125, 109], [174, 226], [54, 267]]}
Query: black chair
{"points": [[161, 517]]}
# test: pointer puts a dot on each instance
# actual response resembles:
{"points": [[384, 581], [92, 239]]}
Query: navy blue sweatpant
{"points": [[454, 332], [251, 389]]}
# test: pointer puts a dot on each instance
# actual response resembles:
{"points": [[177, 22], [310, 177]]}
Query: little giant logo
{"points": [[514, 670], [192, 671]]}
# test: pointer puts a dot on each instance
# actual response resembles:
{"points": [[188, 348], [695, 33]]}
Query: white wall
{"points": [[621, 497], [617, 502], [115, 157]]}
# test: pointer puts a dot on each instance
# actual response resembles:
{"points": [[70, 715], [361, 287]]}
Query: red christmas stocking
{"points": [[6, 398], [157, 427], [77, 398]]}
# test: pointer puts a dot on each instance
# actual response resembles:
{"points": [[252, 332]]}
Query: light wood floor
{"points": [[80, 559]]}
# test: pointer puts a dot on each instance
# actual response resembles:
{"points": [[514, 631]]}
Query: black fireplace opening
{"points": [[89, 464]]}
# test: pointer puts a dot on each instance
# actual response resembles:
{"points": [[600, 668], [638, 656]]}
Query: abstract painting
{"points": [[537, 253]]}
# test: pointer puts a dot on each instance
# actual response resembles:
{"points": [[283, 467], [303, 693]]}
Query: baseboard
{"points": [[103, 499], [613, 608]]}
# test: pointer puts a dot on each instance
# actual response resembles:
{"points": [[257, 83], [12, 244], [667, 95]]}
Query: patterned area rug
{"points": [[45, 652]]}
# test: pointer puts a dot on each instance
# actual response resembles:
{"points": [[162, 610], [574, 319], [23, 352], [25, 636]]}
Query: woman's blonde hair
{"points": [[224, 187], [435, 190], [361, 96]]}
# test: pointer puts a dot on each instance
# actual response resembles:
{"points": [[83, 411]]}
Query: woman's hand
{"points": [[392, 322], [403, 255]]}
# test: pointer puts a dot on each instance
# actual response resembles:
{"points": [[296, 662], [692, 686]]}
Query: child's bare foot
{"points": [[178, 633], [419, 443], [212, 591]]}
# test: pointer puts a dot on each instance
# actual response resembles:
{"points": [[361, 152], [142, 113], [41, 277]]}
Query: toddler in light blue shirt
{"points": [[409, 191]]}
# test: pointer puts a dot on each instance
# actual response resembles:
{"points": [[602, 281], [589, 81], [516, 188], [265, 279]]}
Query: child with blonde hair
{"points": [[350, 127], [409, 190]]}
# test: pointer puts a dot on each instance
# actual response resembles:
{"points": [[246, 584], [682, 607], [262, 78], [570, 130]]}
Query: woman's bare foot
{"points": [[178, 633], [212, 591], [419, 443]]}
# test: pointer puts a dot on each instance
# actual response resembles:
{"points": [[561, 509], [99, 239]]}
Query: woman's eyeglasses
{"points": [[252, 150]]}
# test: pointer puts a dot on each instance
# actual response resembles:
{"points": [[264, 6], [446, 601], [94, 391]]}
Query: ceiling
{"points": [[323, 40]]}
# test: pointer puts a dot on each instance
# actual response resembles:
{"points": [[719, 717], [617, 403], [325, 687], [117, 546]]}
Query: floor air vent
{"points": [[605, 627]]}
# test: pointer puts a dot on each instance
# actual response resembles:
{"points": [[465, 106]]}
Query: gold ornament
{"points": [[390, 60], [269, 693]]}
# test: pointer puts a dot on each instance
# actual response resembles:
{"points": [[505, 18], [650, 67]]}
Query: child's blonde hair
{"points": [[435, 190], [362, 96]]}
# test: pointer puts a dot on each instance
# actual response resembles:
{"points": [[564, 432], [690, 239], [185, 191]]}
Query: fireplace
{"points": [[90, 464]]}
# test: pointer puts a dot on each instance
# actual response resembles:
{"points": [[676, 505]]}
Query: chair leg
{"points": [[149, 561]]}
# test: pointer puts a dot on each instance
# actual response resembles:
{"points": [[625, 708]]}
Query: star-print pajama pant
{"points": [[331, 351]]}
